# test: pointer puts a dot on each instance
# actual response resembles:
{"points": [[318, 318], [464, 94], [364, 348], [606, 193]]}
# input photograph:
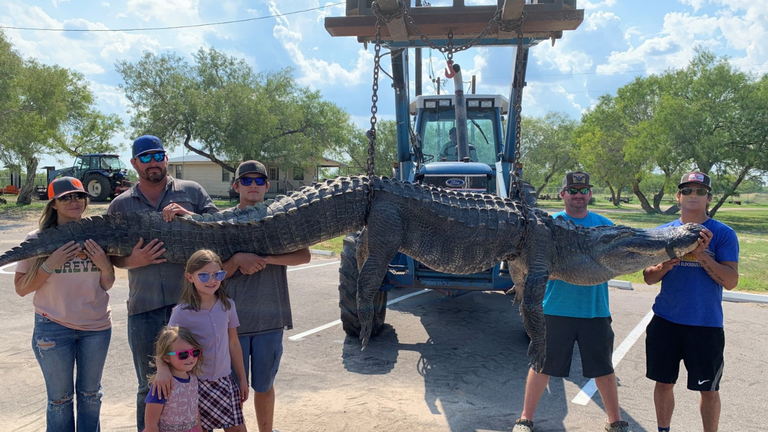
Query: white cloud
{"points": [[562, 57], [165, 11], [56, 2], [314, 71], [104, 4], [587, 5], [695, 4], [738, 31], [599, 19]]}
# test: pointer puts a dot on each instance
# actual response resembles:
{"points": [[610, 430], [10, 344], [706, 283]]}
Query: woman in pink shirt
{"points": [[73, 324]]}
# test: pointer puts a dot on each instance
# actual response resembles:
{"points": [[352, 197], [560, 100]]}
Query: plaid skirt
{"points": [[220, 405]]}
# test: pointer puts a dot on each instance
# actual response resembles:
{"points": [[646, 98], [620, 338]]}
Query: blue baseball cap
{"points": [[146, 144]]}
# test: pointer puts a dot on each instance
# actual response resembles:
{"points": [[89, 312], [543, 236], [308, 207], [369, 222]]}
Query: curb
{"points": [[738, 297], [320, 252]]}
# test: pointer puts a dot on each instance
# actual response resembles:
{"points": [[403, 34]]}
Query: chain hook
{"points": [[449, 73]]}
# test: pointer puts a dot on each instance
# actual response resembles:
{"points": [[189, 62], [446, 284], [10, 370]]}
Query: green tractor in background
{"points": [[103, 176]]}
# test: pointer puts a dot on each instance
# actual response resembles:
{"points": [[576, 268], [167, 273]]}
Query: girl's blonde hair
{"points": [[189, 295], [49, 219], [168, 335]]}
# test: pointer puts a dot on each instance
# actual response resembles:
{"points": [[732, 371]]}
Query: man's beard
{"points": [[155, 175]]}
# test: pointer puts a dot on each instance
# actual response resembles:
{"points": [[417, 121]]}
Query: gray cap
{"points": [[576, 179], [250, 167]]}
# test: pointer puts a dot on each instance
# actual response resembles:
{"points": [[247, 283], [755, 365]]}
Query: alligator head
{"points": [[589, 256]]}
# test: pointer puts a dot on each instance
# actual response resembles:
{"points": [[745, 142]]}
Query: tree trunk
{"points": [[614, 198], [25, 194], [643, 200], [728, 192], [672, 210]]}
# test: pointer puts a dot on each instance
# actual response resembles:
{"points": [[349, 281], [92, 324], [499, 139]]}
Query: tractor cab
{"points": [[436, 126]]}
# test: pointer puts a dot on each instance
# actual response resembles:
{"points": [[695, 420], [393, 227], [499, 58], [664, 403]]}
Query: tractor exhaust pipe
{"points": [[462, 147]]}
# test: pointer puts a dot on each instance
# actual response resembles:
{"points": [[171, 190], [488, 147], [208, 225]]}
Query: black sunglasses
{"points": [[699, 191], [183, 355], [574, 191], [246, 181], [158, 157], [217, 276], [79, 196]]}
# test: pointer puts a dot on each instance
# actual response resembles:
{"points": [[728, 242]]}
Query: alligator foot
{"points": [[537, 351]]}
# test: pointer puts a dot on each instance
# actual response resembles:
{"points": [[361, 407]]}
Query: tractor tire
{"points": [[98, 187], [348, 273]]}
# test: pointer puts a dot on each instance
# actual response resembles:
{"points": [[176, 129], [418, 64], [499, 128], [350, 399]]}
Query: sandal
{"points": [[523, 425]]}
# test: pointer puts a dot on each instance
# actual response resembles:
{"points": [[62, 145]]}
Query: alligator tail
{"points": [[304, 217]]}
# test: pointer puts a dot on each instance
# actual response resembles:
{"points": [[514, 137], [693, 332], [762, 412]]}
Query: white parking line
{"points": [[2, 269], [302, 335], [589, 389], [313, 266]]}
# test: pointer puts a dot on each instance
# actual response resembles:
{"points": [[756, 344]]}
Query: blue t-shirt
{"points": [[688, 294], [578, 301]]}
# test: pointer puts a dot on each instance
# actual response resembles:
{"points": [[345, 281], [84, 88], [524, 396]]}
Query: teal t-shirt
{"points": [[578, 301]]}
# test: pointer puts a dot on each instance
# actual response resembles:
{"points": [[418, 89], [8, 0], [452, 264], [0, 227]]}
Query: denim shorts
{"points": [[262, 352]]}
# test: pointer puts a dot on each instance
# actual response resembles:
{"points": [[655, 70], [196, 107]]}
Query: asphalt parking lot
{"points": [[441, 364]]}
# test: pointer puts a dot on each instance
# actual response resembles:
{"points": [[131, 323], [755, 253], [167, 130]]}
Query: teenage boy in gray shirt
{"points": [[259, 287]]}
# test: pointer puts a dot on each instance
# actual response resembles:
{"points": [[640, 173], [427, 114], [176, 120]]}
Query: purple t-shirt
{"points": [[211, 329]]}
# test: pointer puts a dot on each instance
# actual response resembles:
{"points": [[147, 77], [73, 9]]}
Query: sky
{"points": [[618, 41]]}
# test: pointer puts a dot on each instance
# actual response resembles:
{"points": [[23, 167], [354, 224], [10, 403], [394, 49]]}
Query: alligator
{"points": [[449, 231]]}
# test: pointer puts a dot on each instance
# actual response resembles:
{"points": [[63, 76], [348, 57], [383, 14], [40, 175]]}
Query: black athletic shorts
{"points": [[700, 348], [595, 338]]}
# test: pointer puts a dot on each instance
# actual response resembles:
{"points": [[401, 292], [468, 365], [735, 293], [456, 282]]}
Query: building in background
{"points": [[217, 181]]}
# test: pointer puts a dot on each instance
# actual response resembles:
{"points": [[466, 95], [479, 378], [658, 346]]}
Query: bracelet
{"points": [[45, 268]]}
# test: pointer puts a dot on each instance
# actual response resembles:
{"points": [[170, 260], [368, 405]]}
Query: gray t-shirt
{"points": [[262, 300], [158, 285]]}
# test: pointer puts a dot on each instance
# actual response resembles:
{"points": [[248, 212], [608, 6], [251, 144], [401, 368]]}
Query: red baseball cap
{"points": [[64, 185]]}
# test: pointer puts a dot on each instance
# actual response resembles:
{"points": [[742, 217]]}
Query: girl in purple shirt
{"points": [[177, 348], [206, 311]]}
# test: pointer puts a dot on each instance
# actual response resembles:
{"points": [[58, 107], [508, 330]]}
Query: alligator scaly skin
{"points": [[449, 231]]}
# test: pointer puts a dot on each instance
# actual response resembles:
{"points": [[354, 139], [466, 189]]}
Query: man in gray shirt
{"points": [[154, 285], [259, 287]]}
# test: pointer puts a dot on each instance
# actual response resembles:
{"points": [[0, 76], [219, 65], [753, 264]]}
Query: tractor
{"points": [[454, 141], [103, 176]]}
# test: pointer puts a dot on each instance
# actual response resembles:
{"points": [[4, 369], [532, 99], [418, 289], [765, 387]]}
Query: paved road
{"points": [[441, 364]]}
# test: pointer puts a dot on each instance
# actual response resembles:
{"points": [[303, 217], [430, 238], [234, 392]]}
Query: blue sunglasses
{"points": [[246, 181], [158, 157], [217, 276]]}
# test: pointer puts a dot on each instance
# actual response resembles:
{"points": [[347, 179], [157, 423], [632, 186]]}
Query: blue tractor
{"points": [[103, 175], [454, 141]]}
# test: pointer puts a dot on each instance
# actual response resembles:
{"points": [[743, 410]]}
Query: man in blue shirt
{"points": [[688, 312], [576, 313]]}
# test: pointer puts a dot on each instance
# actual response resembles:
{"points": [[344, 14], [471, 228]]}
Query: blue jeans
{"points": [[58, 350], [143, 329]]}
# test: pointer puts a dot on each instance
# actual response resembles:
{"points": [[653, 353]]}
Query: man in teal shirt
{"points": [[576, 313]]}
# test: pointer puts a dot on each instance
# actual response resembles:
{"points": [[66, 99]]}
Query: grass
{"points": [[750, 225]]}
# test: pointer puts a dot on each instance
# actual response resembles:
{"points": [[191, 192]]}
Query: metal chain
{"points": [[519, 93], [371, 134]]}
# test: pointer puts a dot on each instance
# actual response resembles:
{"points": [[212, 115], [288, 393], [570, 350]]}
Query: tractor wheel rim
{"points": [[94, 188]]}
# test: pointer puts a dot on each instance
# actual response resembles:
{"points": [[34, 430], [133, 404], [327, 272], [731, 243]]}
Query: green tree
{"points": [[355, 151], [716, 117], [46, 110], [601, 140], [547, 148], [221, 109]]}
